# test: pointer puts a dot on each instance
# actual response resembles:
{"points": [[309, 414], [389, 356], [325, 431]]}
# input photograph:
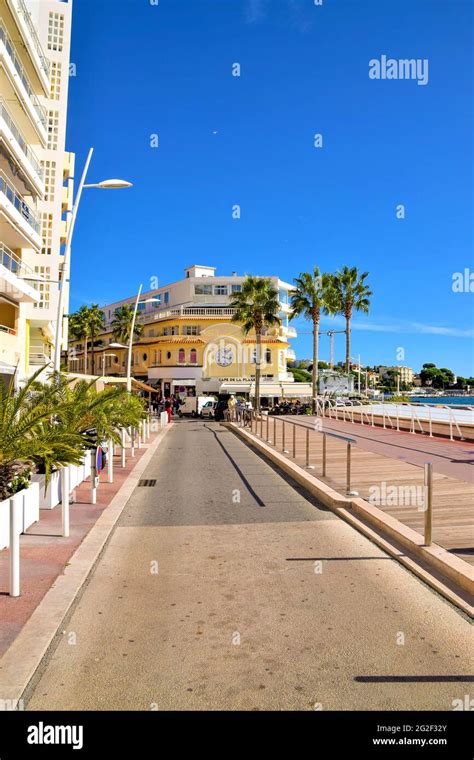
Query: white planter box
{"points": [[52, 496], [30, 505], [4, 524]]}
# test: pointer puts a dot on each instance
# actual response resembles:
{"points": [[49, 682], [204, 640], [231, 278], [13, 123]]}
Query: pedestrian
{"points": [[168, 409], [231, 404]]}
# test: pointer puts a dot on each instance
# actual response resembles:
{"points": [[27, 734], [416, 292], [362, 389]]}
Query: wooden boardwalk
{"points": [[393, 485]]}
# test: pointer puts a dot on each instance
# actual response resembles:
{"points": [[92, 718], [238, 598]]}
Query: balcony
{"points": [[20, 80], [19, 227], [33, 45], [9, 354], [18, 145], [17, 280]]}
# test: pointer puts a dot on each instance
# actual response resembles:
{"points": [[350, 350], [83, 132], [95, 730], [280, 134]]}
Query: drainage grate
{"points": [[150, 482]]}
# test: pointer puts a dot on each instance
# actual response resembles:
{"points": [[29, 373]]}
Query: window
{"points": [[141, 306], [145, 357], [168, 354], [43, 287], [155, 304], [166, 297], [171, 330], [55, 80], [181, 356], [220, 290], [191, 330], [193, 356], [47, 233], [49, 168], [283, 296], [236, 288], [56, 32], [203, 290], [53, 126], [268, 356]]}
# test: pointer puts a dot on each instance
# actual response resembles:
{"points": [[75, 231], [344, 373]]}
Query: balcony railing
{"points": [[5, 38], [21, 206], [14, 264], [30, 155], [8, 330], [21, 7]]}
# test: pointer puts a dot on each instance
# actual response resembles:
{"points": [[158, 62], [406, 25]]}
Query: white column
{"points": [[122, 445], [15, 528], [93, 478], [110, 462], [65, 501]]}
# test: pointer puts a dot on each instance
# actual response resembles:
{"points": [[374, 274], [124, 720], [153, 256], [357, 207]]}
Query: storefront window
{"points": [[181, 356]]}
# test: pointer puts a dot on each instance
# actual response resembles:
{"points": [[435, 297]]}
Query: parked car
{"points": [[208, 409]]}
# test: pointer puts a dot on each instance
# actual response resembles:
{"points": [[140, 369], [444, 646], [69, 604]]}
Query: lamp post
{"points": [[132, 329], [107, 184]]}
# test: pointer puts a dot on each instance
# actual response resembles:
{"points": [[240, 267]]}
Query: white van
{"points": [[193, 405], [208, 409]]}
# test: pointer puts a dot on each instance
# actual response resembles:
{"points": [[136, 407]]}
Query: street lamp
{"points": [[132, 328], [107, 184]]}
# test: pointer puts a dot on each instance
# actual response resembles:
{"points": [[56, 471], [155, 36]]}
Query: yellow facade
{"points": [[218, 350]]}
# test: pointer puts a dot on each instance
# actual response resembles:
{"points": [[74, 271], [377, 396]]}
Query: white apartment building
{"points": [[35, 177]]}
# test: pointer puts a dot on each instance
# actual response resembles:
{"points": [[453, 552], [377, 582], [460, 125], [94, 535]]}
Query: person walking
{"points": [[168, 409]]}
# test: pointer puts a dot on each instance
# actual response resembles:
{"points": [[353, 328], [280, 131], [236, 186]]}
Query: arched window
{"points": [[145, 357], [268, 356], [168, 354], [193, 356], [181, 356]]}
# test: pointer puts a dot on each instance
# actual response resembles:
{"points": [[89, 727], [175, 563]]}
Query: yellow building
{"points": [[190, 345]]}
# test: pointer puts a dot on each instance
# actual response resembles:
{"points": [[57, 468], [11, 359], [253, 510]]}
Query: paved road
{"points": [[452, 458], [262, 600]]}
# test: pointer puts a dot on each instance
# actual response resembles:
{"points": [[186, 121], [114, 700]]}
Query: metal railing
{"points": [[8, 330], [17, 200], [14, 264], [254, 421], [23, 10], [10, 48], [22, 142]]}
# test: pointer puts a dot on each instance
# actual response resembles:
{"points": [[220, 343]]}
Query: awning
{"points": [[143, 386], [269, 390], [7, 369]]}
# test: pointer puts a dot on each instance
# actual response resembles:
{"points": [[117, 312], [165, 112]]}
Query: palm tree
{"points": [[311, 296], [28, 433], [79, 328], [349, 292], [122, 323], [95, 322], [256, 307]]}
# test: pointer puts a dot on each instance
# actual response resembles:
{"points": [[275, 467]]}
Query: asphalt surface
{"points": [[224, 587]]}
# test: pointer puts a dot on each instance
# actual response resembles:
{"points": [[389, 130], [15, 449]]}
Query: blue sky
{"points": [[166, 69]]}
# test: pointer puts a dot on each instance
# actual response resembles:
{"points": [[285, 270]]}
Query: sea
{"points": [[462, 400]]}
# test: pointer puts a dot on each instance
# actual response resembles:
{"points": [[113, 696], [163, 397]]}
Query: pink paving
{"points": [[44, 552]]}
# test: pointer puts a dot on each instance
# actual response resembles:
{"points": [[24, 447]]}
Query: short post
{"points": [[274, 430], [283, 435], [122, 446], [261, 425], [308, 465], [349, 491], [132, 441], [139, 435], [93, 476], [294, 441], [324, 454], [15, 514], [110, 462], [428, 503], [65, 501], [266, 436]]}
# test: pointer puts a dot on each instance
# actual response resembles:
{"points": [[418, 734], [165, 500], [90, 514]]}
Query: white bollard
{"points": [[139, 435], [15, 529], [93, 478], [132, 440], [65, 501], [110, 462], [122, 444]]}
